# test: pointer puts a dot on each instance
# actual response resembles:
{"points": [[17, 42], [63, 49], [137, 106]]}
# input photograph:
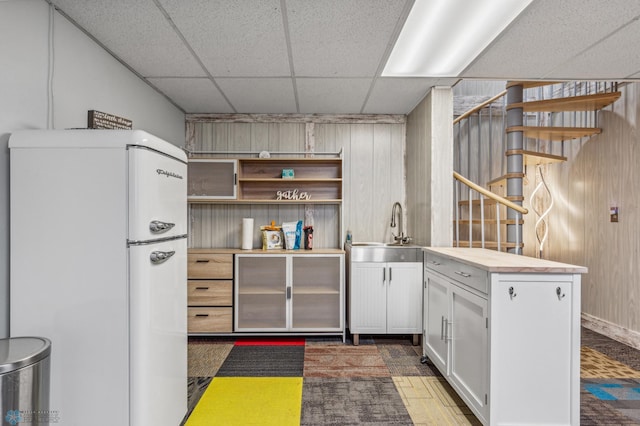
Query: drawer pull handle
{"points": [[202, 315], [462, 274], [512, 293], [202, 288], [202, 261], [559, 293], [433, 262]]}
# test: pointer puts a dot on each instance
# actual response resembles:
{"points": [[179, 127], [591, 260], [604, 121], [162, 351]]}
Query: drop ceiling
{"points": [[327, 56]]}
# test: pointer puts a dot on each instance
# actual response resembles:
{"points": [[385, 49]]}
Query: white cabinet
{"points": [[504, 330], [289, 293], [468, 339], [456, 337], [385, 298]]}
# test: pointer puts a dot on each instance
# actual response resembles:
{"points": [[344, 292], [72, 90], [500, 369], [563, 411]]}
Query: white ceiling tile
{"points": [[397, 95], [234, 38], [341, 38], [613, 58], [332, 95], [260, 95], [137, 32], [547, 34], [193, 95]]}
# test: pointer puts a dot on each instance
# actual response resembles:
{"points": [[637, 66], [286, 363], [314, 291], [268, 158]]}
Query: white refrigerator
{"points": [[98, 265]]}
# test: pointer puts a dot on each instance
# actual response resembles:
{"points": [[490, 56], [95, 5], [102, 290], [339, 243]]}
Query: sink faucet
{"points": [[397, 211]]}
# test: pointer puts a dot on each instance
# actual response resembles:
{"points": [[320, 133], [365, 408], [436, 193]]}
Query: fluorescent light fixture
{"points": [[441, 37]]}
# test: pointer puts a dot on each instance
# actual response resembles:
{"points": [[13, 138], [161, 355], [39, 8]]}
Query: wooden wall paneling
{"points": [[386, 157], [363, 208], [441, 177], [418, 163]]}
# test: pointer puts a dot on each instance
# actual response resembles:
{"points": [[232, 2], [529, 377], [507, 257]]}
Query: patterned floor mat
{"points": [[382, 382]]}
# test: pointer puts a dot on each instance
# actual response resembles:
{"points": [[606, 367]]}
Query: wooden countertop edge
{"points": [[493, 261], [260, 251]]}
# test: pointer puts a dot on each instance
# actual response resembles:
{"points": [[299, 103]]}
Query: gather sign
{"points": [[293, 194]]}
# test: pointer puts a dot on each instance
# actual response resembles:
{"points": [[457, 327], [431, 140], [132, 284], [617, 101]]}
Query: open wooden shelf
{"points": [[260, 181], [591, 102], [555, 133]]}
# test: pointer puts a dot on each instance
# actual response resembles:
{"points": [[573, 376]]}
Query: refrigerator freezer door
{"points": [[157, 195], [158, 340]]}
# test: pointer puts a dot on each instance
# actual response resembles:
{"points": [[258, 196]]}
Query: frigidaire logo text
{"points": [[168, 174]]}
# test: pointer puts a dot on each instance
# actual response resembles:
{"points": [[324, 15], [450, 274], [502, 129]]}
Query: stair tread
{"points": [[487, 244], [555, 133], [502, 180], [490, 221], [534, 158], [591, 102], [489, 201], [531, 84]]}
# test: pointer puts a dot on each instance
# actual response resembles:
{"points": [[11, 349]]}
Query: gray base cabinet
{"points": [[504, 330], [289, 293]]}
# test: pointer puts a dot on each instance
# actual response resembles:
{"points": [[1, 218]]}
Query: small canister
{"points": [[308, 237]]}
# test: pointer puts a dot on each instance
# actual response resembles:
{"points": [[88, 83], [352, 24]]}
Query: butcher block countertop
{"points": [[494, 261]]}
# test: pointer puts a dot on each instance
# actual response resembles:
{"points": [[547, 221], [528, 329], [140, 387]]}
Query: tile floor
{"points": [[382, 382]]}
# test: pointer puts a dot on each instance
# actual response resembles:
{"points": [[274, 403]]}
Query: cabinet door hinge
{"points": [[486, 322], [486, 399]]}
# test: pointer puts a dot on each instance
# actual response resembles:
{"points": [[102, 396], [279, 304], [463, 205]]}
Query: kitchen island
{"points": [[504, 330]]}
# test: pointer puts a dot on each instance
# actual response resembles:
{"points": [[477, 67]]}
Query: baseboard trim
{"points": [[611, 330]]}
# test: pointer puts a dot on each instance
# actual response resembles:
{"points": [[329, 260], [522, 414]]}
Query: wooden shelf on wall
{"points": [[260, 181]]}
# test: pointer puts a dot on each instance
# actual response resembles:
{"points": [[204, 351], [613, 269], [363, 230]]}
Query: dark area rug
{"points": [[352, 401], [263, 361]]}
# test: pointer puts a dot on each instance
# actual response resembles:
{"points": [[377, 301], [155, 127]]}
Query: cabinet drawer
{"points": [[209, 320], [210, 293], [471, 276], [210, 265]]}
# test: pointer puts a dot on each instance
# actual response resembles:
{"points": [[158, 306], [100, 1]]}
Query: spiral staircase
{"points": [[531, 117]]}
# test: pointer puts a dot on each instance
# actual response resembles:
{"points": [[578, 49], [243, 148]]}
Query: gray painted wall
{"points": [[40, 47]]}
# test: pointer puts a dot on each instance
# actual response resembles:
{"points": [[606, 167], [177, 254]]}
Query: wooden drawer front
{"points": [[210, 293], [210, 265], [471, 276], [209, 320]]}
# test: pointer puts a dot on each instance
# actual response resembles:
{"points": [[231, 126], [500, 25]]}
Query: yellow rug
{"points": [[596, 365], [249, 401], [432, 401]]}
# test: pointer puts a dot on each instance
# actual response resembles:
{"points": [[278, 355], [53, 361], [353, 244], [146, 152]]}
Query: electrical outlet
{"points": [[613, 212]]}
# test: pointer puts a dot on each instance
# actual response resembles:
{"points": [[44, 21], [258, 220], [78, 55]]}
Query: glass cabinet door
{"points": [[316, 300], [210, 179], [261, 293]]}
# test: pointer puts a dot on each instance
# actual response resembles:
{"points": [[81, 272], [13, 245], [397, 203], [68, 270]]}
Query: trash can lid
{"points": [[18, 352]]}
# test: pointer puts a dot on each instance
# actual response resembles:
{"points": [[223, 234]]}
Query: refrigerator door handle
{"points": [[158, 257], [158, 227]]}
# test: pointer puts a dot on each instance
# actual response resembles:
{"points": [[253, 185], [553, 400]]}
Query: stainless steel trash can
{"points": [[24, 381]]}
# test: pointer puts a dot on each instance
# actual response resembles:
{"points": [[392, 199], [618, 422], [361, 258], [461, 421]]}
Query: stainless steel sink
{"points": [[383, 252]]}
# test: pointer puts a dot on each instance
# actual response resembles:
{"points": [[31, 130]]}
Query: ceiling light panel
{"points": [[441, 37]]}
